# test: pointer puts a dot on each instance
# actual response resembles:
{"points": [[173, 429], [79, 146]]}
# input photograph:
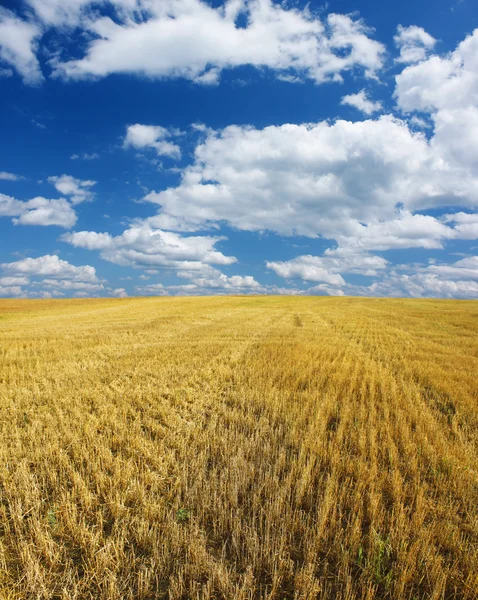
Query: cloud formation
{"points": [[143, 246], [441, 83], [364, 186], [339, 180], [362, 102], [152, 136], [327, 268], [9, 176], [414, 43], [51, 266], [85, 156], [191, 39], [38, 211], [48, 276], [76, 189], [19, 41]]}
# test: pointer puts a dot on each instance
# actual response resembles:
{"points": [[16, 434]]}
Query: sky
{"points": [[184, 147]]}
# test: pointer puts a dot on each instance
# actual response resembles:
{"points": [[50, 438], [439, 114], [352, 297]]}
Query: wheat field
{"points": [[238, 448]]}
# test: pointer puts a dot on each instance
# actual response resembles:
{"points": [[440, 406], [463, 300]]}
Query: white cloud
{"points": [[419, 122], [457, 280], [423, 285], [85, 156], [155, 289], [361, 102], [193, 40], [205, 280], [461, 218], [51, 266], [77, 189], [19, 44], [307, 268], [89, 239], [48, 277], [152, 136], [5, 72], [41, 211], [38, 211], [324, 289], [404, 231], [327, 268], [119, 293], [9, 176], [68, 285], [221, 282], [59, 13], [414, 43], [13, 281], [441, 83], [466, 268], [465, 225], [455, 137], [10, 207], [143, 246], [7, 291], [338, 180], [447, 88]]}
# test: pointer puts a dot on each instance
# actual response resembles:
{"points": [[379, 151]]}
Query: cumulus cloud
{"points": [[194, 40], [414, 43], [224, 283], [465, 225], [119, 293], [12, 281], [38, 211], [324, 289], [143, 246], [466, 268], [67, 285], [361, 102], [447, 82], [205, 279], [308, 268], [155, 289], [446, 87], [422, 285], [327, 268], [76, 189], [341, 179], [18, 46], [9, 176], [89, 239], [13, 286], [362, 184], [50, 266], [456, 280], [47, 277], [406, 230], [14, 291], [152, 136]]}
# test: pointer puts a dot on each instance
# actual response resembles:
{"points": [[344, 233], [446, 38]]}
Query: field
{"points": [[238, 448]]}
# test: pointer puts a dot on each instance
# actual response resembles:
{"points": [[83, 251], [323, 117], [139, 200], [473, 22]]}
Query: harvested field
{"points": [[239, 448]]}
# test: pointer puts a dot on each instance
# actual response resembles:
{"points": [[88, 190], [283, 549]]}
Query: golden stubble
{"points": [[238, 448]]}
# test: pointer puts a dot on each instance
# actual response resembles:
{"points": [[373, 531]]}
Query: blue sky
{"points": [[162, 147]]}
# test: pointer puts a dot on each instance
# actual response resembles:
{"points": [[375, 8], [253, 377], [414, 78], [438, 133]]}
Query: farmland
{"points": [[238, 448]]}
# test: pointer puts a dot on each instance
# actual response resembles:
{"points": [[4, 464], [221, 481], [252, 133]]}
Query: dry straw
{"points": [[238, 448]]}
